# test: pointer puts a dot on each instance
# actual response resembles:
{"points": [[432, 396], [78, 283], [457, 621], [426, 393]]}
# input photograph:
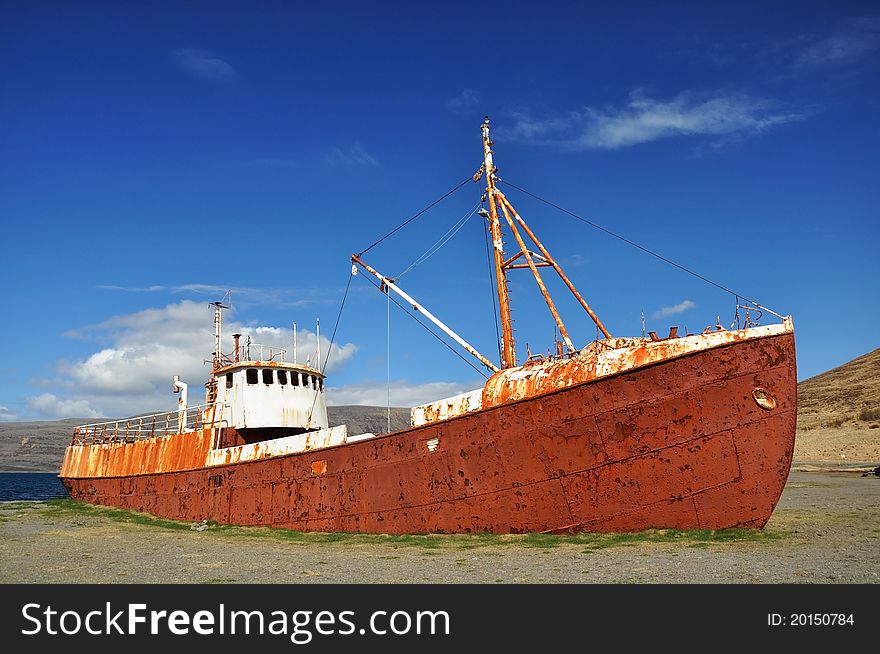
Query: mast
{"points": [[499, 204], [218, 321], [533, 261], [549, 261], [217, 359], [508, 350]]}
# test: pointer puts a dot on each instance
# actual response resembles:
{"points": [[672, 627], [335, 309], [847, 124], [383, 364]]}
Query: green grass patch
{"points": [[433, 543], [56, 509], [597, 541], [17, 506], [541, 541]]}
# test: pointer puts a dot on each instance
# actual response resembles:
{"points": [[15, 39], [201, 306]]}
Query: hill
{"points": [[35, 446], [839, 413], [364, 419]]}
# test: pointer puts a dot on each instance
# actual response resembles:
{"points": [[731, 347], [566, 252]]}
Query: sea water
{"points": [[17, 486]]}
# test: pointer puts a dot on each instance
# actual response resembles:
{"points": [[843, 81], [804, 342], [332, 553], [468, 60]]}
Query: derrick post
{"points": [[508, 350]]}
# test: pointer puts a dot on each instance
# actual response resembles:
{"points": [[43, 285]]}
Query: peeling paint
{"points": [[599, 359], [678, 443]]}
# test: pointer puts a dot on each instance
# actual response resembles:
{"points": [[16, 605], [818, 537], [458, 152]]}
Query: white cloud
{"points": [[644, 119], [575, 261], [402, 393], [132, 289], [853, 41], [681, 307], [50, 406], [356, 155], [6, 415], [204, 65], [464, 102], [146, 348], [277, 297]]}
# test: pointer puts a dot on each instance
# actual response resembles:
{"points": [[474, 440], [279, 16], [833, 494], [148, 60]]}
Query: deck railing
{"points": [[129, 430], [253, 352]]}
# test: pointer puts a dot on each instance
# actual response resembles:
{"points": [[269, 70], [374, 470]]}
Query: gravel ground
{"points": [[824, 530]]}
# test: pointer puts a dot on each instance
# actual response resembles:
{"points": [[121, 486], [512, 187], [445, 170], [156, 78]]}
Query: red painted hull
{"points": [[678, 444]]}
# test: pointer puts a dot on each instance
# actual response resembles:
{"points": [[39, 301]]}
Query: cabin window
{"points": [[305, 380], [252, 377], [321, 383], [282, 377], [228, 380], [314, 382], [267, 375], [294, 378]]}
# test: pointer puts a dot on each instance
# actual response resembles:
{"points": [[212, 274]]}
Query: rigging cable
{"points": [[428, 329], [626, 240], [492, 287], [332, 339], [443, 240], [408, 221], [388, 360]]}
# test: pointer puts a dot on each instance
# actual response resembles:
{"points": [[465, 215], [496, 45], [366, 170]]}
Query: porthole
{"points": [[764, 398]]}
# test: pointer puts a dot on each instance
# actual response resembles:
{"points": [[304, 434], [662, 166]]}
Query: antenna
{"points": [[294, 341], [218, 322], [318, 321]]}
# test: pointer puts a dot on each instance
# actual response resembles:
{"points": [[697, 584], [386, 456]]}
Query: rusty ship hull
{"points": [[679, 442]]}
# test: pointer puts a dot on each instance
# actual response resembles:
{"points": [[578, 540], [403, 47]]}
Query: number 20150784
{"points": [[810, 619]]}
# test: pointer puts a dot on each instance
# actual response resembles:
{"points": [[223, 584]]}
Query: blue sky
{"points": [[156, 154]]}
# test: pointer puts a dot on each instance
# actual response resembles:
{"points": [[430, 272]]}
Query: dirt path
{"points": [[826, 529]]}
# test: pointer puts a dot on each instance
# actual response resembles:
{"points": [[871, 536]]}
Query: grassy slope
{"points": [[839, 413]]}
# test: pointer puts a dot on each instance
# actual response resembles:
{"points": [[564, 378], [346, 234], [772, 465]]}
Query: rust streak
{"points": [[678, 445]]}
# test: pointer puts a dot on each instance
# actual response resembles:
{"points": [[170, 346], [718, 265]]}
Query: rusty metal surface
{"points": [[446, 408], [531, 264], [283, 365], [600, 359], [151, 455], [278, 446], [610, 357], [508, 347], [680, 444], [188, 451], [550, 261]]}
